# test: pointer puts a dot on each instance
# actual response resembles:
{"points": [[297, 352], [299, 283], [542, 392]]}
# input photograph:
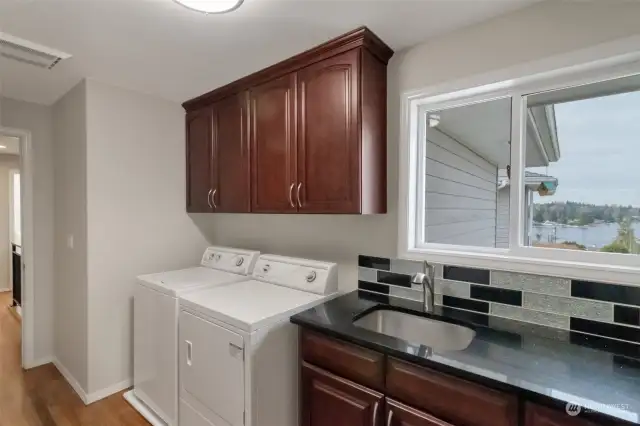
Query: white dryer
{"points": [[155, 370], [238, 350]]}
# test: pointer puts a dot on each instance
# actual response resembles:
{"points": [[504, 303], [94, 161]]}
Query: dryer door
{"points": [[212, 368]]}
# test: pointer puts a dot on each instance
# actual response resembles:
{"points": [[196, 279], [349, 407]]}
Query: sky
{"points": [[599, 151]]}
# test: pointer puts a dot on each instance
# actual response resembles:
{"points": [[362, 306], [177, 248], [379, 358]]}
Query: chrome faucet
{"points": [[426, 280]]}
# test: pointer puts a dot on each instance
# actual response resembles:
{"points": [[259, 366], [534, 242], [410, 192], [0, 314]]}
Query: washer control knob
{"points": [[218, 257], [240, 261], [266, 268], [311, 276]]}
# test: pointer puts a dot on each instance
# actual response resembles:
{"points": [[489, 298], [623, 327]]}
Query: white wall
{"points": [[38, 120], [70, 296], [461, 189], [137, 221], [529, 34], [7, 163]]}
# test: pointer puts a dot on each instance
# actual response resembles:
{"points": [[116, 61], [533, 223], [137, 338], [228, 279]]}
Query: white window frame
{"points": [[604, 62]]}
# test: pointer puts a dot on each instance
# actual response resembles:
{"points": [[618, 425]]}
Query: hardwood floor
{"points": [[41, 396]]}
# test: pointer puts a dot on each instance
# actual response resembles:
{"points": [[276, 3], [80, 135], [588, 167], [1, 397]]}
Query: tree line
{"points": [[573, 213]]}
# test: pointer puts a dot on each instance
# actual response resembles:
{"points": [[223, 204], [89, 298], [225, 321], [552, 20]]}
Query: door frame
{"points": [[26, 213]]}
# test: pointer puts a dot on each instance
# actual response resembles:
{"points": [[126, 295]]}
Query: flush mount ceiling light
{"points": [[211, 6]]}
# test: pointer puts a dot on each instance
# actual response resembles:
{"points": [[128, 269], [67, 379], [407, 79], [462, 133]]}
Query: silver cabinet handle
{"points": [[374, 417], [213, 198], [290, 195], [189, 352], [298, 194], [209, 198], [389, 417]]}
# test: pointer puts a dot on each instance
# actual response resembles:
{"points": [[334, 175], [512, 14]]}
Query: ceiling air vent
{"points": [[27, 52]]}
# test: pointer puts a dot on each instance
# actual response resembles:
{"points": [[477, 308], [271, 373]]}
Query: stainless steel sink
{"points": [[438, 335]]}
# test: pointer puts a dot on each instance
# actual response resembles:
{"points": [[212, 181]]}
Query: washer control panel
{"points": [[302, 274], [230, 259]]}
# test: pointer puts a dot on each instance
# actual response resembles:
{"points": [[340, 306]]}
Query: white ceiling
{"points": [[12, 145], [161, 48]]}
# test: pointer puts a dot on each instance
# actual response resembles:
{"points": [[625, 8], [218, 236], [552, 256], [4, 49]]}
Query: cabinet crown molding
{"points": [[361, 37]]}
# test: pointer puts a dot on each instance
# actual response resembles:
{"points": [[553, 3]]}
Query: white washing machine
{"points": [[155, 371], [238, 350]]}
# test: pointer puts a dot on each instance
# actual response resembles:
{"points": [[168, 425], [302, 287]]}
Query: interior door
{"points": [[273, 146], [212, 367], [199, 160], [231, 174], [329, 400], [328, 138]]}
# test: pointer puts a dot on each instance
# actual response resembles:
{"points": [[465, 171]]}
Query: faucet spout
{"points": [[426, 280]]}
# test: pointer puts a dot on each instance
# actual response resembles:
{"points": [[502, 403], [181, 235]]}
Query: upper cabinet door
{"points": [[231, 157], [273, 150], [328, 138], [199, 161]]}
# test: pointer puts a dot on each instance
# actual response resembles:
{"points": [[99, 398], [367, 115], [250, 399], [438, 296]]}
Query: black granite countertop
{"points": [[554, 364]]}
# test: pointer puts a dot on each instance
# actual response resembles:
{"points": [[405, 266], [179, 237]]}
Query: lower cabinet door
{"points": [[537, 415], [397, 414], [329, 400]]}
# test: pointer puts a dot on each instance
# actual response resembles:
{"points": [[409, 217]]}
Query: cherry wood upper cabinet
{"points": [[273, 147], [199, 160], [328, 146], [230, 181], [329, 400], [316, 131]]}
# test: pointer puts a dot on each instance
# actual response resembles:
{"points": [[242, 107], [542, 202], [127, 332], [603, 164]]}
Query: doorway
{"points": [[16, 233]]}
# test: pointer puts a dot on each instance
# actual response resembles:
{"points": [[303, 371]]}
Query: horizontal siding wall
{"points": [[460, 193], [504, 197]]}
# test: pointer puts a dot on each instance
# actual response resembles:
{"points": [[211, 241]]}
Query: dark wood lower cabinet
{"points": [[329, 400], [537, 415], [398, 414], [406, 394]]}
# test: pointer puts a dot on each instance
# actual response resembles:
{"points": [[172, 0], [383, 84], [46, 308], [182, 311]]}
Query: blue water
{"points": [[596, 236]]}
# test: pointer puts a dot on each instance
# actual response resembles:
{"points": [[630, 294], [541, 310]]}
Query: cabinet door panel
{"points": [[231, 156], [199, 152], [537, 415], [328, 139], [273, 150], [398, 414], [329, 400]]}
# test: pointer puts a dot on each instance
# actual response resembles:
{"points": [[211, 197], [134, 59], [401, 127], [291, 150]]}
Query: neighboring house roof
{"points": [[532, 181], [542, 120]]}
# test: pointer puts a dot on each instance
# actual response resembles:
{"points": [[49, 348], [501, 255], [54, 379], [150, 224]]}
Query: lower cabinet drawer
{"points": [[398, 414], [352, 362], [455, 400]]}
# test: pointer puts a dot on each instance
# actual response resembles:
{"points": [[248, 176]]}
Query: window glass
{"points": [[466, 187], [583, 174]]}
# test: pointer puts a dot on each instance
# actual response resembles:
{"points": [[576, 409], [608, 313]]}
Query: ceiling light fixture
{"points": [[3, 147], [211, 6]]}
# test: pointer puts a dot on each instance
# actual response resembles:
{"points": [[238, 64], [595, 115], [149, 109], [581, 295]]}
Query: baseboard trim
{"points": [[71, 380], [108, 391], [39, 362]]}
